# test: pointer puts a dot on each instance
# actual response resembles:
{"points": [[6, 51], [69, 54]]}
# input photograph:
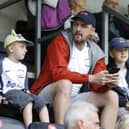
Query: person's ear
{"points": [[111, 54], [80, 124], [93, 29], [10, 48]]}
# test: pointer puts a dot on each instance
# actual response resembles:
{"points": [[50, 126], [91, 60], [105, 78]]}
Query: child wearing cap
{"points": [[13, 82], [119, 54]]}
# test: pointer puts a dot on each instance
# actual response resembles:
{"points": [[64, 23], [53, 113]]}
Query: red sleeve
{"points": [[54, 67], [58, 57], [100, 66]]}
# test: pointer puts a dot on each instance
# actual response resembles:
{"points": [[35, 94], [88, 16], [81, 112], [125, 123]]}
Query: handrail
{"points": [[8, 3], [117, 14], [105, 39]]}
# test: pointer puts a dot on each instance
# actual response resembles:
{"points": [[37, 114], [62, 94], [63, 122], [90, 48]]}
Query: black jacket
{"points": [[123, 97]]}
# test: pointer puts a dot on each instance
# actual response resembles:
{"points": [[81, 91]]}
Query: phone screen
{"points": [[114, 70]]}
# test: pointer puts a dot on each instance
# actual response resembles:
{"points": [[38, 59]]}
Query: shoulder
{"points": [[95, 46], [22, 66], [59, 41], [127, 64], [96, 51]]}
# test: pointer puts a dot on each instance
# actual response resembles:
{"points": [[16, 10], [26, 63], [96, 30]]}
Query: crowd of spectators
{"points": [[75, 62]]}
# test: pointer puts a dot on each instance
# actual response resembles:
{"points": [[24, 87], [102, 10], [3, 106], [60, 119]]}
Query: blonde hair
{"points": [[122, 122], [106, 1], [77, 6]]}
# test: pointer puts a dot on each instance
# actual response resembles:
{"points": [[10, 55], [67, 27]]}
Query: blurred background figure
{"points": [[81, 115]]}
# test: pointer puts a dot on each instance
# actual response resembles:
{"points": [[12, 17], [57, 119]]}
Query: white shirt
{"points": [[123, 84], [79, 62], [122, 76], [13, 75]]}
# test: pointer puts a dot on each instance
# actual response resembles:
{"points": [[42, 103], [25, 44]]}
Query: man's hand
{"points": [[104, 78], [114, 80]]}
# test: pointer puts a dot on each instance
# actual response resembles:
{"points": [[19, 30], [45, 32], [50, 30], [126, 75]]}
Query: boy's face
{"points": [[120, 55], [18, 50]]}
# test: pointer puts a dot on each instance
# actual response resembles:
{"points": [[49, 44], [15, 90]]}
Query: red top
{"points": [[55, 67]]}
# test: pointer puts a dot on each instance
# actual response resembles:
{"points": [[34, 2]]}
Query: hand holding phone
{"points": [[114, 70]]}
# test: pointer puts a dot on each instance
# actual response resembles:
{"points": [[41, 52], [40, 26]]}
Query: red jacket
{"points": [[54, 67]]}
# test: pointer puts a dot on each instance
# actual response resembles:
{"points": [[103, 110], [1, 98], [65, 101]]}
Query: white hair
{"points": [[78, 111], [122, 122]]}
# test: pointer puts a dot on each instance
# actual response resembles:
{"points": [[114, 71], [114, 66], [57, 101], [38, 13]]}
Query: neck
{"points": [[13, 59], [121, 65], [80, 46]]}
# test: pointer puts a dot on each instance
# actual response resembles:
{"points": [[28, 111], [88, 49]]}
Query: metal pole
{"points": [[38, 36], [106, 11], [105, 39]]}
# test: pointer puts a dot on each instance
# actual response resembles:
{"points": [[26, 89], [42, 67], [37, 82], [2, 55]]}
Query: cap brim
{"points": [[123, 46], [79, 17], [28, 42], [119, 47]]}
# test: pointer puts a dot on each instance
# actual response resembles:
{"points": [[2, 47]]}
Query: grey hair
{"points": [[78, 111]]}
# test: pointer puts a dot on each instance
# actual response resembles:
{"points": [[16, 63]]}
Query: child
{"points": [[119, 53], [14, 80]]}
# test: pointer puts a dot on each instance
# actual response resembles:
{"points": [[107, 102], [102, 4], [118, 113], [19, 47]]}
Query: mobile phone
{"points": [[114, 70]]}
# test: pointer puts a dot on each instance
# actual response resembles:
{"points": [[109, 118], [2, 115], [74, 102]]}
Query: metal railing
{"points": [[8, 3], [105, 37], [106, 11], [37, 38]]}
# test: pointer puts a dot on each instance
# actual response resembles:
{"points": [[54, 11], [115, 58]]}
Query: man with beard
{"points": [[71, 62]]}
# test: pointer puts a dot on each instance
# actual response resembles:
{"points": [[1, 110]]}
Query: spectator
{"points": [[115, 25], [13, 83], [71, 61], [77, 6], [81, 115], [119, 53]]}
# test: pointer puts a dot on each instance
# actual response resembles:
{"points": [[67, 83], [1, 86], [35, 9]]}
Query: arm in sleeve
{"points": [[58, 58], [100, 66]]}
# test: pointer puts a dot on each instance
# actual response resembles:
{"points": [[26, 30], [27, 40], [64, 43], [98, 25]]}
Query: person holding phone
{"points": [[74, 62], [119, 54]]}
